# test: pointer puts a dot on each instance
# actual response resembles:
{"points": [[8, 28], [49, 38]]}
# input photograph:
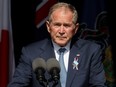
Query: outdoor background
{"points": [[95, 18], [27, 21]]}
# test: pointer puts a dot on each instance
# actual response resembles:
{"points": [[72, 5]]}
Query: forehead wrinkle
{"points": [[63, 11]]}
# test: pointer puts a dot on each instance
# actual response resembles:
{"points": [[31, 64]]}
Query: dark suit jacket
{"points": [[90, 71]]}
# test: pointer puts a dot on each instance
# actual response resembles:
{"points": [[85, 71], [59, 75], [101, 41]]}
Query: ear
{"points": [[48, 26], [76, 27]]}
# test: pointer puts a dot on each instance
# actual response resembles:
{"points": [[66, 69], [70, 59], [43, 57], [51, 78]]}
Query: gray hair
{"points": [[66, 5]]}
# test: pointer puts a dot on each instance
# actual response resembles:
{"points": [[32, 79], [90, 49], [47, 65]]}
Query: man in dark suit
{"points": [[82, 58]]}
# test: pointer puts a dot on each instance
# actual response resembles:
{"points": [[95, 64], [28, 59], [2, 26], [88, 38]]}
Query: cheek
{"points": [[53, 32], [70, 33]]}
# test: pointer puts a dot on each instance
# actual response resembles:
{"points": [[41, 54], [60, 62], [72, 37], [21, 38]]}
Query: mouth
{"points": [[61, 37]]}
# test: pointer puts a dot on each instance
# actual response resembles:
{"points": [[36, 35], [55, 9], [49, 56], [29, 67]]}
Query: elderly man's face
{"points": [[61, 27]]}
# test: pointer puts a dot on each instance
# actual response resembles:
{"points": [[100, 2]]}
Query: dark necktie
{"points": [[63, 73]]}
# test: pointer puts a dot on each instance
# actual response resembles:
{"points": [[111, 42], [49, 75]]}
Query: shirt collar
{"points": [[57, 47]]}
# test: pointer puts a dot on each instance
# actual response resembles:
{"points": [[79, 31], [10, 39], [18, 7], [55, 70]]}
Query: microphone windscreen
{"points": [[39, 63], [52, 63]]}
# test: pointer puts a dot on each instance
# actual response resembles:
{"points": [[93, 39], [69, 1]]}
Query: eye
{"points": [[57, 24], [67, 25]]}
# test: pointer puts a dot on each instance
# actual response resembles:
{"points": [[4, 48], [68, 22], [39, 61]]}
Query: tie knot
{"points": [[62, 50]]}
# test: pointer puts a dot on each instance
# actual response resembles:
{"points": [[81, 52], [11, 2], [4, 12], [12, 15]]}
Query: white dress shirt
{"points": [[66, 53]]}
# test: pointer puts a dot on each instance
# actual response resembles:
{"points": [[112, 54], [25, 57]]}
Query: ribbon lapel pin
{"points": [[75, 62]]}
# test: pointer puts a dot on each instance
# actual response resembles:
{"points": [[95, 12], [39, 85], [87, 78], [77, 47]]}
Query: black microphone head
{"points": [[39, 63], [39, 68], [53, 68], [51, 64]]}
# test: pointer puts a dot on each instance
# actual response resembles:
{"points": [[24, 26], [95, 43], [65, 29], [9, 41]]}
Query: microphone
{"points": [[39, 67], [53, 68]]}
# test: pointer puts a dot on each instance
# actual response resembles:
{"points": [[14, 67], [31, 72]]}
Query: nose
{"points": [[61, 30]]}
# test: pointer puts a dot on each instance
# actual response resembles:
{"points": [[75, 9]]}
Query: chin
{"points": [[61, 44]]}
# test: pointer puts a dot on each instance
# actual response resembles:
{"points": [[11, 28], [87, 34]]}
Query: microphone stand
{"points": [[41, 78], [54, 79], [55, 83], [44, 82]]}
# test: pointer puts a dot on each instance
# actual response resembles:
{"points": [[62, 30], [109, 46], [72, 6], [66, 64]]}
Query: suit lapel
{"points": [[75, 50], [47, 51]]}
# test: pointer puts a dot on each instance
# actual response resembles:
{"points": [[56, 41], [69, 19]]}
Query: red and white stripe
{"points": [[42, 11], [6, 44]]}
